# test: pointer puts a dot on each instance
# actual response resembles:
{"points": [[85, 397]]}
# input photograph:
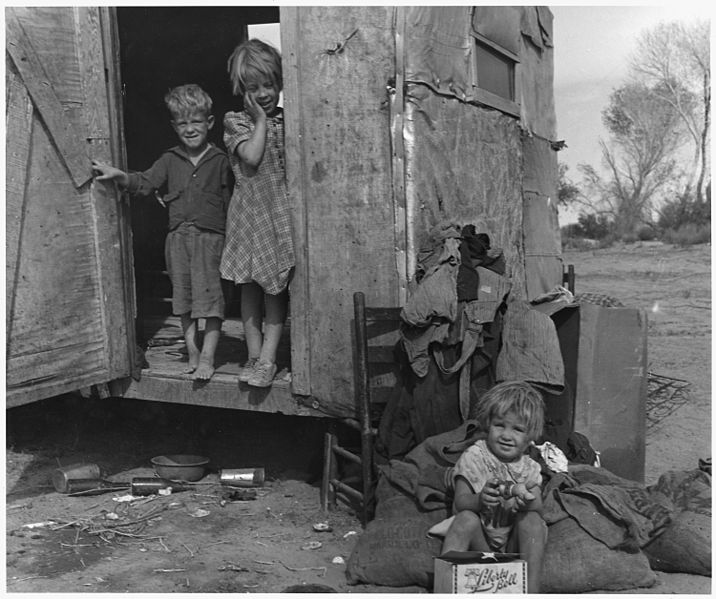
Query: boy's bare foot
{"points": [[194, 358], [204, 371], [193, 364]]}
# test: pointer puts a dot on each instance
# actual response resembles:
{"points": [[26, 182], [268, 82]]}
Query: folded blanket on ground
{"points": [[684, 490], [618, 512], [424, 471]]}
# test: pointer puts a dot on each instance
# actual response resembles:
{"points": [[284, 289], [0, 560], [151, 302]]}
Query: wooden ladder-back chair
{"points": [[376, 330]]}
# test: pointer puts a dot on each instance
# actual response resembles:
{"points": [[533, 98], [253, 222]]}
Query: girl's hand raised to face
{"points": [[252, 107]]}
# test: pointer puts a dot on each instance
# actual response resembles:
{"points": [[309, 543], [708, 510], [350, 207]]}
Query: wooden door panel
{"points": [[67, 288], [338, 166], [41, 87], [19, 126]]}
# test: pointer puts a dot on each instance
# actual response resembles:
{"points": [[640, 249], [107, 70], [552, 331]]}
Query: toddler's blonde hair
{"points": [[252, 58], [518, 397], [187, 99]]}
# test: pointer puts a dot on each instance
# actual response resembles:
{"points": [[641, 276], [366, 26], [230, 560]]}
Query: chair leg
{"points": [[367, 475], [330, 469], [363, 398]]}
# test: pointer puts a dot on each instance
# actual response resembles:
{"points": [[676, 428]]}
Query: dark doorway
{"points": [[162, 47]]}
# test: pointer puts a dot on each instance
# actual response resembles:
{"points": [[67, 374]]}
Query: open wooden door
{"points": [[69, 289], [338, 170]]}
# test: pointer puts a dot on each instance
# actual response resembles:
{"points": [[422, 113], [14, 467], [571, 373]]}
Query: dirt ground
{"points": [[674, 286], [193, 541]]}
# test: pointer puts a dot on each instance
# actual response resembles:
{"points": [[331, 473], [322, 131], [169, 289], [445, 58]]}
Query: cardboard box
{"points": [[479, 572]]}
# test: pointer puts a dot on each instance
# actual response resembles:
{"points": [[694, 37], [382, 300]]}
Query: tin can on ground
{"points": [[79, 471], [242, 477]]}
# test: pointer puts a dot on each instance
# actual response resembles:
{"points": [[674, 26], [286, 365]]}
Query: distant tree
{"points": [[595, 226], [645, 133], [674, 60], [567, 192]]}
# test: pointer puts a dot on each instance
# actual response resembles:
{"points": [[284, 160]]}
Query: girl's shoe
{"points": [[247, 369], [263, 374]]}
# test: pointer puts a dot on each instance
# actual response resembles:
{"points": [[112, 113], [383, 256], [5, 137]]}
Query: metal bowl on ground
{"points": [[180, 467]]}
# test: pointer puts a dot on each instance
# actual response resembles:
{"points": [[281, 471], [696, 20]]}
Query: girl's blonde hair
{"points": [[186, 99], [252, 58], [518, 397]]}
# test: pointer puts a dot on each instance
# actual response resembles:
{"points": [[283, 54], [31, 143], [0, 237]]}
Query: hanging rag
{"points": [[530, 349], [436, 295], [493, 289]]}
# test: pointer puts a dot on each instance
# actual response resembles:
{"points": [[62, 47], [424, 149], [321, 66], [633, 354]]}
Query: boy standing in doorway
{"points": [[198, 182]]}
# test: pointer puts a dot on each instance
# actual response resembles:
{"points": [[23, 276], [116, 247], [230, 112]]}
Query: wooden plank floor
{"points": [[166, 350], [163, 379]]}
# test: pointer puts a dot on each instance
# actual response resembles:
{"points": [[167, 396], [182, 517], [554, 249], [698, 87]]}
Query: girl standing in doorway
{"points": [[258, 252]]}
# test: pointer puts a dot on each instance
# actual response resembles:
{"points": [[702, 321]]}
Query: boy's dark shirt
{"points": [[195, 194]]}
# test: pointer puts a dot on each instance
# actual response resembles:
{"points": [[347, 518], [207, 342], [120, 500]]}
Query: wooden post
{"points": [[363, 398], [568, 278]]}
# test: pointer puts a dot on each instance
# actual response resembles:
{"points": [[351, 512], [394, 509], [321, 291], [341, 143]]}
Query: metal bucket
{"points": [[61, 475], [242, 477]]}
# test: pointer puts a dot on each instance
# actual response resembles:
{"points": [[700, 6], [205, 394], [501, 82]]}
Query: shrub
{"points": [[608, 240], [579, 243], [684, 210], [688, 234], [595, 226], [646, 233], [571, 230], [588, 232]]}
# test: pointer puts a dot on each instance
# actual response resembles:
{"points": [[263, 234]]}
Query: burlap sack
{"points": [[685, 545], [575, 562], [396, 551]]}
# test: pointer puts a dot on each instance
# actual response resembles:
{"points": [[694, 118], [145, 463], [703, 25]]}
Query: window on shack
{"points": [[496, 34], [495, 71]]}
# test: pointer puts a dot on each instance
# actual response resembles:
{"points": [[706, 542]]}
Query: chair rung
{"points": [[346, 454], [375, 332], [352, 422], [380, 354], [347, 489], [376, 314]]}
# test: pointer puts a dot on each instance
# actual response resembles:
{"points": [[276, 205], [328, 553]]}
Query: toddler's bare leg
{"points": [[465, 533], [531, 539], [189, 328], [212, 330]]}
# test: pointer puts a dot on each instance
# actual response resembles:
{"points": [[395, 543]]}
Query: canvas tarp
{"points": [[464, 164]]}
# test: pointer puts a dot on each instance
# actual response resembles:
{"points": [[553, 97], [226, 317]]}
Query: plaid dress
{"points": [[259, 242]]}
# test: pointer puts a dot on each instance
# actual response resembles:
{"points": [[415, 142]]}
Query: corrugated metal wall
{"points": [[66, 296]]}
